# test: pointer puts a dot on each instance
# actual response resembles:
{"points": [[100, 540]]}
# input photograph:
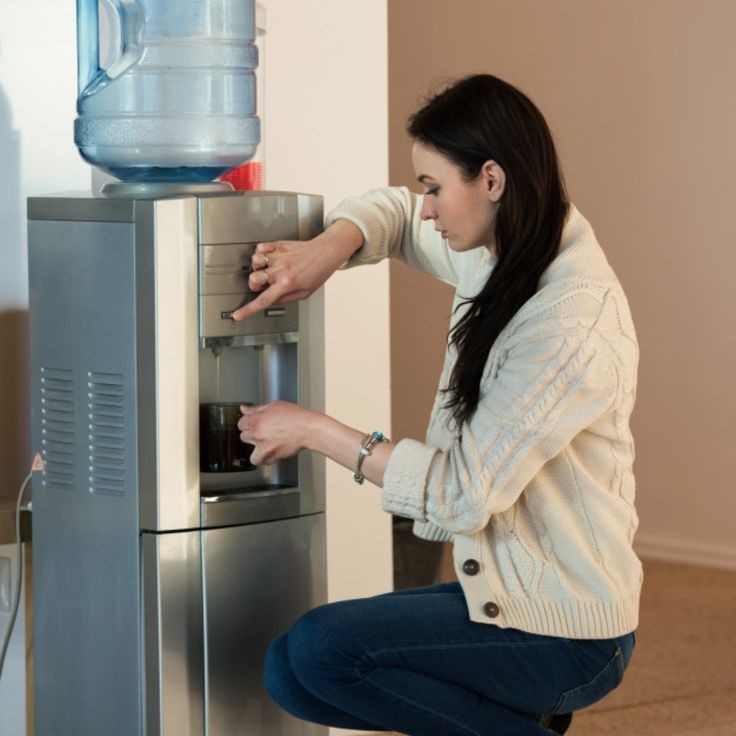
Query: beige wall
{"points": [[326, 132], [639, 97]]}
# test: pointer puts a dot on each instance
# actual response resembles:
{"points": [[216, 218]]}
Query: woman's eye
{"points": [[432, 191]]}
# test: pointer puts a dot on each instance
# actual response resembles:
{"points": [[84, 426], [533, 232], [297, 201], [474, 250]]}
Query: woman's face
{"points": [[463, 211]]}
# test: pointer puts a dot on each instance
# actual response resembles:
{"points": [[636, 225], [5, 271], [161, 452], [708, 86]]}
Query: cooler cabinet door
{"points": [[258, 579]]}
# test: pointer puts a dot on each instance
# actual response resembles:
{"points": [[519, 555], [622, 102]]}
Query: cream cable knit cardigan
{"points": [[538, 494]]}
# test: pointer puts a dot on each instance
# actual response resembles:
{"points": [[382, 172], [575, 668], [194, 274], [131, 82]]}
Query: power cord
{"points": [[19, 568]]}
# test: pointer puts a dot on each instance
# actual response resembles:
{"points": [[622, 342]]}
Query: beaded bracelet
{"points": [[369, 442]]}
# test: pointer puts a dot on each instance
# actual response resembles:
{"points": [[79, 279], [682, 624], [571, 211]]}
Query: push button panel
{"points": [[224, 269], [223, 287], [230, 227], [215, 315]]}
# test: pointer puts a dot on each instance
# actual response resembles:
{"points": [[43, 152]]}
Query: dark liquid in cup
{"points": [[220, 448]]}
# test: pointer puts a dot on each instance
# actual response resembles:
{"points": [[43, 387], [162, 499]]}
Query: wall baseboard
{"points": [[687, 553]]}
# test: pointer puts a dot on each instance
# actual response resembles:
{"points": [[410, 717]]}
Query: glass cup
{"points": [[220, 447]]}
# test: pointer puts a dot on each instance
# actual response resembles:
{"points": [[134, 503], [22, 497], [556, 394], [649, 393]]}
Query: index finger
{"points": [[263, 301]]}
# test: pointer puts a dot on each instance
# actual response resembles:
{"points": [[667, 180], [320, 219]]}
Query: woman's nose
{"points": [[427, 212]]}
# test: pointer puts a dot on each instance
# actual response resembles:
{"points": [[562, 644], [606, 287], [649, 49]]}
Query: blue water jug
{"points": [[176, 100]]}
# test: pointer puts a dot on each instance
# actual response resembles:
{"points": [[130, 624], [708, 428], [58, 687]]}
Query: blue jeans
{"points": [[413, 662]]}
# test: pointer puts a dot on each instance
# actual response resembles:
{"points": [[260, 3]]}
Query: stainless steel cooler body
{"points": [[158, 587]]}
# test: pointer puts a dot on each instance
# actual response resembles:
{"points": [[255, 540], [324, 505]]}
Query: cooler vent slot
{"points": [[57, 428], [105, 394]]}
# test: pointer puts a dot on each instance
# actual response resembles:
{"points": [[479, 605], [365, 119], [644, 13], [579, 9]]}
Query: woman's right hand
{"points": [[288, 270]]}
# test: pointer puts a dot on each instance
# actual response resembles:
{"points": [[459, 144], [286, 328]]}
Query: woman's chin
{"points": [[459, 245]]}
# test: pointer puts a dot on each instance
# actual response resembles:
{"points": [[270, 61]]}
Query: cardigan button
{"points": [[491, 609], [471, 567]]}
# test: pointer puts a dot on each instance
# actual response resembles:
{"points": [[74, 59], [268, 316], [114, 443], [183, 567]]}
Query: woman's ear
{"points": [[494, 179]]}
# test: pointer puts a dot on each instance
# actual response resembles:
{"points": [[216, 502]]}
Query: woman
{"points": [[527, 466]]}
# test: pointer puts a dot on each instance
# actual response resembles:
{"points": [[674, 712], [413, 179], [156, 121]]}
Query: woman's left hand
{"points": [[278, 430]]}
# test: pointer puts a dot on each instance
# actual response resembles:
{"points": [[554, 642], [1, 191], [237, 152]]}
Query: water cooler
{"points": [[158, 586]]}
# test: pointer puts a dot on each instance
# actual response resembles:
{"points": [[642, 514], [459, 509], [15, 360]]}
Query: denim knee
{"points": [[277, 670], [295, 656], [283, 686], [316, 643], [288, 691], [308, 638]]}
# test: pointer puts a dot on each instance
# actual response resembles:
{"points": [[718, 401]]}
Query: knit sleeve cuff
{"points": [[405, 479], [431, 532], [390, 221], [362, 214]]}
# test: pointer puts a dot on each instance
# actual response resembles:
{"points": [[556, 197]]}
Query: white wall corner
{"points": [[326, 132]]}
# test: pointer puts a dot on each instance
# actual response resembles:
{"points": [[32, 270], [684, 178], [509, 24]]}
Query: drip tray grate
{"points": [[244, 491]]}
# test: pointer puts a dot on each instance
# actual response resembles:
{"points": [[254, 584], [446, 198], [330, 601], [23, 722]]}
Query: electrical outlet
{"points": [[5, 580]]}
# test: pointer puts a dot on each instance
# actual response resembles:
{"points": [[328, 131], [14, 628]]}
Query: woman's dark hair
{"points": [[477, 119]]}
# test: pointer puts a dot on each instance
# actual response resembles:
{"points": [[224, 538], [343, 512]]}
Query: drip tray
{"points": [[260, 479], [230, 492], [251, 504]]}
